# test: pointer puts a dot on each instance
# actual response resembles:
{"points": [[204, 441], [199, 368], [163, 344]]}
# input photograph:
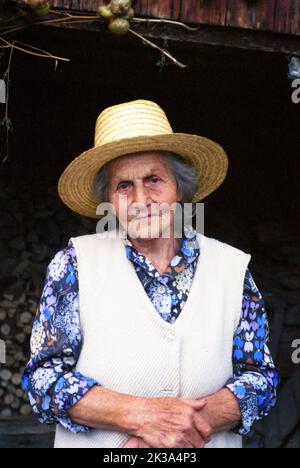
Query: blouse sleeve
{"points": [[255, 377], [49, 379]]}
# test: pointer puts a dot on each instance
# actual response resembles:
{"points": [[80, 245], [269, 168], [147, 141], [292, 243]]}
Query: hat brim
{"points": [[76, 184]]}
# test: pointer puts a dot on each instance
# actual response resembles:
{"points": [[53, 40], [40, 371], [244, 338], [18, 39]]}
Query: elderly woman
{"points": [[146, 339]]}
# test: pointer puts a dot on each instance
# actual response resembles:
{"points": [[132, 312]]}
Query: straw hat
{"points": [[133, 127]]}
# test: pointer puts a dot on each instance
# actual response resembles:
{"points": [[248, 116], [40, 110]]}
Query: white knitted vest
{"points": [[129, 348]]}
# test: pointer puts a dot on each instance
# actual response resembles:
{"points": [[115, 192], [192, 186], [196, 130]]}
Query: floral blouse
{"points": [[50, 379]]}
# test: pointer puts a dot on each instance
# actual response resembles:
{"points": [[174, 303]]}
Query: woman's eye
{"points": [[154, 180], [123, 186]]}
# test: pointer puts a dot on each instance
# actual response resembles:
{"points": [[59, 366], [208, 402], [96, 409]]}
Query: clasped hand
{"points": [[171, 423]]}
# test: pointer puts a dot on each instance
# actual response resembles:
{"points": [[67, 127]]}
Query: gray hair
{"points": [[183, 171]]}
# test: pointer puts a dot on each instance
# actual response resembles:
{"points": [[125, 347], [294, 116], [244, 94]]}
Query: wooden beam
{"points": [[229, 37], [226, 37], [209, 35], [273, 15]]}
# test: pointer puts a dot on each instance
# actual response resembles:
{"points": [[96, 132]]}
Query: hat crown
{"points": [[129, 120]]}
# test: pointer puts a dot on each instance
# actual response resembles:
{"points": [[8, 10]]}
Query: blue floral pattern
{"points": [[50, 379]]}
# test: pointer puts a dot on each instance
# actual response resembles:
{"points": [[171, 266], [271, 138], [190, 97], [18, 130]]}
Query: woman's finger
{"points": [[196, 404]]}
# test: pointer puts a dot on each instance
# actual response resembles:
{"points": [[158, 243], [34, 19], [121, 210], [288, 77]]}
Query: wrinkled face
{"points": [[143, 192]]}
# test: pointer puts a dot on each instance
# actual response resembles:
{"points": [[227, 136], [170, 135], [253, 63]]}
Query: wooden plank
{"points": [[62, 4], [146, 8], [287, 16], [158, 8], [26, 441], [204, 11], [19, 432], [249, 14], [84, 5], [169, 9]]}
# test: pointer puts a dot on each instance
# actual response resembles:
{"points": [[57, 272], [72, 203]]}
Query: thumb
{"points": [[196, 404]]}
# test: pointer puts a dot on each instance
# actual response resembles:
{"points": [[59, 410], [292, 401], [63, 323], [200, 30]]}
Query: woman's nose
{"points": [[141, 196]]}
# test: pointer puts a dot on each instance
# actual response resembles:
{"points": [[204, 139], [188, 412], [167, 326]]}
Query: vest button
{"points": [[170, 336]]}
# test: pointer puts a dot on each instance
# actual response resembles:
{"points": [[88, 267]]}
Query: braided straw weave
{"points": [[134, 127]]}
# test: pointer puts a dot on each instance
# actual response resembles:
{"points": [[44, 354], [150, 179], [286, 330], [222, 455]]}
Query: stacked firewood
{"points": [[34, 226], [15, 326]]}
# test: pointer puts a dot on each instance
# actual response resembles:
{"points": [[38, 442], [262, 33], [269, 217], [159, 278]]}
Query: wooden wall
{"points": [[269, 15]]}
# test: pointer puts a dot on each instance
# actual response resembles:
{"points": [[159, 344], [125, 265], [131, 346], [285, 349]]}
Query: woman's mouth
{"points": [[146, 217]]}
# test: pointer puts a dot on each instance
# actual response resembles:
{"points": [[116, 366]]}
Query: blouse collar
{"points": [[188, 253]]}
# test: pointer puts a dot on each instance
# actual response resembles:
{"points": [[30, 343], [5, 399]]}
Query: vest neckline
{"points": [[145, 301]]}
